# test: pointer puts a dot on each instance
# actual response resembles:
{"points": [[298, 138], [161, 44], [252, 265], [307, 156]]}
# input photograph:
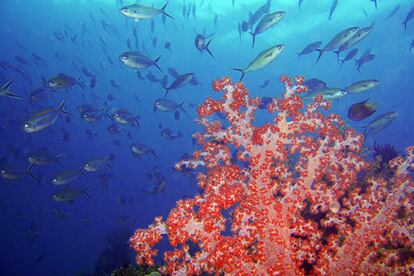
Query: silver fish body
{"points": [[262, 59], [43, 118], [362, 86], [137, 60], [141, 12]]}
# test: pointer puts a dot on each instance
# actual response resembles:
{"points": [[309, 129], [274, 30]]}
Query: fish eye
{"points": [[54, 180], [124, 9], [3, 172], [86, 165]]}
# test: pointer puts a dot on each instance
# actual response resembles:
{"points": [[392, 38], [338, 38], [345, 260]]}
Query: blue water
{"points": [[34, 241]]}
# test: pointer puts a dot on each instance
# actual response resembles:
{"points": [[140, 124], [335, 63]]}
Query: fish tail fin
{"points": [[365, 132], [241, 71], [79, 82], [182, 108], [153, 151], [58, 157], [37, 180], [7, 93], [166, 91], [164, 12], [81, 172], [62, 109], [12, 96], [337, 55], [29, 172], [85, 191], [208, 49], [405, 25], [6, 85], [342, 62], [253, 38], [106, 110], [320, 51], [107, 159], [136, 122], [156, 63]]}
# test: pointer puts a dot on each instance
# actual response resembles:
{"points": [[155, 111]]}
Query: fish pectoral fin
{"points": [[241, 71]]}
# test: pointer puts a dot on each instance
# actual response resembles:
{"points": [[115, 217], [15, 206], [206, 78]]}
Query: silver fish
{"points": [[267, 22], [360, 35], [95, 115], [17, 173], [393, 12], [4, 91], [202, 44], [66, 176], [166, 105], [337, 41], [124, 117], [138, 150], [138, 60], [44, 118], [179, 82], [409, 16], [310, 48], [38, 95], [95, 164], [168, 134], [380, 123], [43, 158], [328, 93], [365, 58], [264, 58], [351, 54], [69, 194], [362, 86], [333, 8], [141, 12], [62, 81]]}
